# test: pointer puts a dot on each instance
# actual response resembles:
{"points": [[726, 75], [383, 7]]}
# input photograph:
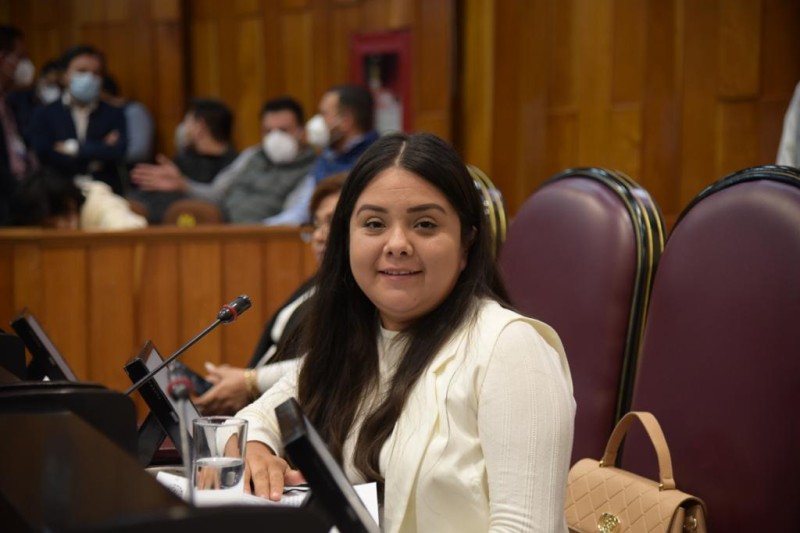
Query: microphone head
{"points": [[180, 388], [231, 311]]}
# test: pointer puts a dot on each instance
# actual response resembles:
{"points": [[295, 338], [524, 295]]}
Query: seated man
{"points": [[345, 127], [257, 183], [79, 134], [206, 149]]}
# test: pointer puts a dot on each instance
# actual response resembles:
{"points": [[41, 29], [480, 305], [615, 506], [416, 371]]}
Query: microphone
{"points": [[227, 314], [230, 312]]}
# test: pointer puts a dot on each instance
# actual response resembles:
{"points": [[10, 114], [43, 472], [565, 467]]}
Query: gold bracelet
{"points": [[251, 384]]}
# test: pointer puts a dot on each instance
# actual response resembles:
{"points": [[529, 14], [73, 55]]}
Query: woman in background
{"points": [[233, 387], [422, 379]]}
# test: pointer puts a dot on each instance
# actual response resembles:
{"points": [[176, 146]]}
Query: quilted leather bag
{"points": [[601, 497]]}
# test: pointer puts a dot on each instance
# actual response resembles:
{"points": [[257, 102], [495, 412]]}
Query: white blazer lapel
{"points": [[413, 433]]}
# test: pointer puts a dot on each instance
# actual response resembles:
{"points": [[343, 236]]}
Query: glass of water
{"points": [[218, 459]]}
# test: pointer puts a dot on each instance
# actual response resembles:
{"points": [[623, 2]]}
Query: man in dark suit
{"points": [[14, 162], [79, 134]]}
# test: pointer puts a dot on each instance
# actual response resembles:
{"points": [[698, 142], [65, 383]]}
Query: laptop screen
{"points": [[46, 357]]}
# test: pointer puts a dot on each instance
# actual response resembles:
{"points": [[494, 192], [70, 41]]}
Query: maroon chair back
{"points": [[719, 365], [580, 256]]}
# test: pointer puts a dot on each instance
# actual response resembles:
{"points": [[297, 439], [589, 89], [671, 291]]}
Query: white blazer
{"points": [[435, 471]]}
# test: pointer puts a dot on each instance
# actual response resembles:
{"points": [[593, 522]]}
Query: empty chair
{"points": [[580, 255], [719, 365], [191, 212]]}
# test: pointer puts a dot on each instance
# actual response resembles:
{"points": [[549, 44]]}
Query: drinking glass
{"points": [[218, 459]]}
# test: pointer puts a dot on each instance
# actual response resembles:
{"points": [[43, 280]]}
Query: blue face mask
{"points": [[84, 87]]}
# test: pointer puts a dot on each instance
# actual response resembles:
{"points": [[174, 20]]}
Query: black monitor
{"points": [[163, 418], [329, 484], [46, 360]]}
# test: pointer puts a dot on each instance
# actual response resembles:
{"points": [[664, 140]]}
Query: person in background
{"points": [[79, 134], [415, 372], [256, 185], [49, 200], [344, 128], [206, 150], [275, 352], [15, 160], [46, 91], [789, 148], [141, 129]]}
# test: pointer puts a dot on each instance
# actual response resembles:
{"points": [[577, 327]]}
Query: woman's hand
{"points": [[268, 472], [229, 393]]}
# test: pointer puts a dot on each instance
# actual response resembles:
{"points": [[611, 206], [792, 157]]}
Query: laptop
{"points": [[163, 419], [46, 361], [329, 484]]}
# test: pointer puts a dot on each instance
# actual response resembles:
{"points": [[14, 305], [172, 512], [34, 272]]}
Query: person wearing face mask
{"points": [[205, 149], [45, 90], [257, 183], [79, 134], [343, 130], [15, 160]]}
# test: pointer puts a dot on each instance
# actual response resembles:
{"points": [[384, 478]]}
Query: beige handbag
{"points": [[603, 498]]}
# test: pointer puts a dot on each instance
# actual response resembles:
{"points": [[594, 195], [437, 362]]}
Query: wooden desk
{"points": [[100, 296]]}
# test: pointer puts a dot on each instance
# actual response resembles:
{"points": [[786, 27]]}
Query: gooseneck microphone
{"points": [[229, 313]]}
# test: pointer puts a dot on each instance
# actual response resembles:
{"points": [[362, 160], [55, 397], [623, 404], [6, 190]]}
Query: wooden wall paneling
{"points": [[272, 54], [533, 108], [166, 10], [242, 273], [170, 81], [296, 40], [627, 82], [780, 55], [159, 313], [27, 269], [247, 7], [250, 76], [737, 127], [661, 148], [375, 15], [698, 114], [111, 320], [199, 281], [562, 73], [345, 20], [283, 262], [505, 141], [476, 82], [739, 48], [433, 69], [594, 27], [119, 10], [230, 87], [770, 126], [205, 58], [64, 309]]}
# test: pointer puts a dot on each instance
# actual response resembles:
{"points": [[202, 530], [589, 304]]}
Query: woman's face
{"points": [[405, 246], [322, 225]]}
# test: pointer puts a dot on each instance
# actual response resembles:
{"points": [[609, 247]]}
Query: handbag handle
{"points": [[653, 429]]}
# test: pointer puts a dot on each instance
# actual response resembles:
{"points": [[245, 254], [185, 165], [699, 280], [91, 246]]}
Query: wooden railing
{"points": [[100, 296]]}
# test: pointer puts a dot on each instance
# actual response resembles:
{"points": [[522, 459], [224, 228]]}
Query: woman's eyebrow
{"points": [[425, 207], [371, 207]]}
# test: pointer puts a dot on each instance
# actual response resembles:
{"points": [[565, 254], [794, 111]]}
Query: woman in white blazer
{"points": [[421, 379]]}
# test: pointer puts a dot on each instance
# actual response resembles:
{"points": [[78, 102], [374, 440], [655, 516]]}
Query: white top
{"points": [[485, 438]]}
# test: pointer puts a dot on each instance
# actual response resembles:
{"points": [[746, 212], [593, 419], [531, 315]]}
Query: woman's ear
{"points": [[468, 242]]}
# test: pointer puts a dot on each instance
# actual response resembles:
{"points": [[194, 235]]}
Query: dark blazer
{"points": [[288, 339], [53, 123], [8, 182]]}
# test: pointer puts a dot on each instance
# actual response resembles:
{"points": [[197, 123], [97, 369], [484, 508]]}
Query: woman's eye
{"points": [[373, 224], [426, 224]]}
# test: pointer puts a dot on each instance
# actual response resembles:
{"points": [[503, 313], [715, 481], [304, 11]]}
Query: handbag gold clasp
{"points": [[607, 523]]}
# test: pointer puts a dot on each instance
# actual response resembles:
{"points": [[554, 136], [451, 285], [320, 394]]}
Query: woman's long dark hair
{"points": [[341, 365]]}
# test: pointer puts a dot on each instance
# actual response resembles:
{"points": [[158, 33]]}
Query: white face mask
{"points": [[49, 93], [317, 132], [280, 147], [23, 75], [181, 139]]}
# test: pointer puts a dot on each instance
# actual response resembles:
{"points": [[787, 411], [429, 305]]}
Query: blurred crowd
{"points": [[75, 153]]}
